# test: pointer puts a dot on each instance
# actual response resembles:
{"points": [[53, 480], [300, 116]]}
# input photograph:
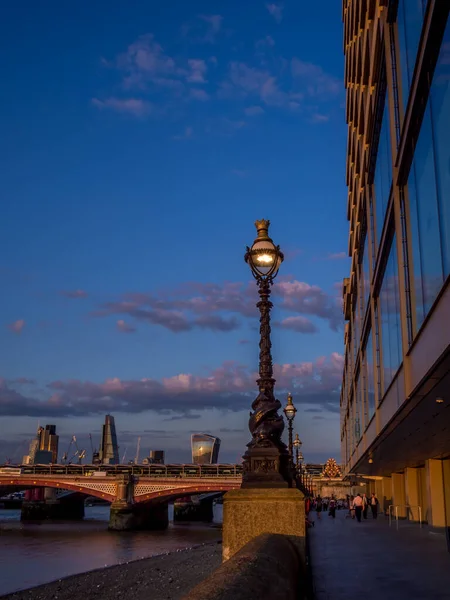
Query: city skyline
{"points": [[163, 137]]}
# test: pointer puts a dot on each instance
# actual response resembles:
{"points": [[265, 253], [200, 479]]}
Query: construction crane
{"points": [[138, 447], [95, 453], [124, 456], [78, 454]]}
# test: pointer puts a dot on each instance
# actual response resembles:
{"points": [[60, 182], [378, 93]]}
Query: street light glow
{"points": [[265, 258]]}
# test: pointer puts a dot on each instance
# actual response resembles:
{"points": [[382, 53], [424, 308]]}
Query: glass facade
{"points": [[390, 323], [383, 171], [409, 24], [400, 280], [205, 449], [109, 450], [370, 377], [428, 191]]}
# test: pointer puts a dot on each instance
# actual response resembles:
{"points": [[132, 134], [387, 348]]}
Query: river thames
{"points": [[32, 554]]}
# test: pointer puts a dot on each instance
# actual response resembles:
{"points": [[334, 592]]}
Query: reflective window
{"points": [[358, 410], [440, 112], [383, 172], [366, 272], [429, 191], [370, 377], [390, 324], [409, 21]]}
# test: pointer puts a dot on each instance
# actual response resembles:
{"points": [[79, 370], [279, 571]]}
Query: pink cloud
{"points": [[298, 324], [229, 387], [197, 71], [17, 326], [253, 111], [133, 106], [276, 10], [124, 327], [199, 95], [74, 293], [213, 306]]}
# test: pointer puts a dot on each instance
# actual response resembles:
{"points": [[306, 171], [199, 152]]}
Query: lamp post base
{"points": [[248, 513], [266, 468]]}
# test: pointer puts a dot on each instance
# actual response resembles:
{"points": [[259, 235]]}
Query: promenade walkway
{"points": [[373, 561]]}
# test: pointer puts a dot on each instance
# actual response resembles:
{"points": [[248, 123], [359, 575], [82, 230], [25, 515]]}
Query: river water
{"points": [[32, 554]]}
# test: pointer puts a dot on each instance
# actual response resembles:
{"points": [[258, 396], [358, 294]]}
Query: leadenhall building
{"points": [[395, 399]]}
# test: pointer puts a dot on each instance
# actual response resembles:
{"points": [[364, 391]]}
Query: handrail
{"points": [[397, 506]]}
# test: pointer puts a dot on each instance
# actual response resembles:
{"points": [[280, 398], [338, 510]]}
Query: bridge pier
{"points": [[136, 517], [189, 510], [45, 506], [128, 515]]}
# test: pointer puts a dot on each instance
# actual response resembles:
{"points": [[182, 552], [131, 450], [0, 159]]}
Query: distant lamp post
{"points": [[266, 462], [290, 410], [297, 446]]}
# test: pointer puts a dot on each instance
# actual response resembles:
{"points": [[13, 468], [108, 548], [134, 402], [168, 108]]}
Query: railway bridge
{"points": [[139, 495]]}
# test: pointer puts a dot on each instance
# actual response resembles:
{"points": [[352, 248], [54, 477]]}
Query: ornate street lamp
{"points": [[289, 411], [297, 446], [267, 460]]}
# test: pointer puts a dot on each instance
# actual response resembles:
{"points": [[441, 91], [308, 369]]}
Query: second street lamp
{"points": [[297, 446], [290, 410]]}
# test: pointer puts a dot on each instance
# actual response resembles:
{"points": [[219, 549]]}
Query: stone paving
{"points": [[373, 561]]}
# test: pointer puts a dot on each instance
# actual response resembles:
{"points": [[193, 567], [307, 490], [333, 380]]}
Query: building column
{"points": [[398, 494], [383, 491], [413, 493], [435, 490]]}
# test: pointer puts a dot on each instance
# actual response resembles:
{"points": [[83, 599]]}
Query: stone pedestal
{"points": [[249, 512], [135, 517]]}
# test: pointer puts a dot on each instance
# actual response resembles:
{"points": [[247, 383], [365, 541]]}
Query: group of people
{"points": [[358, 506]]}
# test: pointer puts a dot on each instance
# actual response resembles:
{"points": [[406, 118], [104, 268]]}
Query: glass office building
{"points": [[205, 449], [395, 390]]}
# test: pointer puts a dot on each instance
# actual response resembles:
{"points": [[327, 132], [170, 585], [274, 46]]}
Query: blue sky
{"points": [[141, 140]]}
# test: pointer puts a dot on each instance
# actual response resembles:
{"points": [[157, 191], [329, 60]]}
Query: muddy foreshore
{"points": [[165, 577]]}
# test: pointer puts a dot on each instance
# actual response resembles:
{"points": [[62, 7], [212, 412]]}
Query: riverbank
{"points": [[166, 577]]}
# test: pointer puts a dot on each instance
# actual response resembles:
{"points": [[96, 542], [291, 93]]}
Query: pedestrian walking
{"points": [[319, 506], [332, 508], [365, 506], [358, 507], [374, 506]]}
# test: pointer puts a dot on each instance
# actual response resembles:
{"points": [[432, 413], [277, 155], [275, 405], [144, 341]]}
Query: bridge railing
{"points": [[160, 471]]}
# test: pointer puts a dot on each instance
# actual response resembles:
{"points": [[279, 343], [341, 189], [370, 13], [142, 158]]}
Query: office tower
{"points": [[205, 448], [109, 450], [395, 390], [48, 441], [156, 457]]}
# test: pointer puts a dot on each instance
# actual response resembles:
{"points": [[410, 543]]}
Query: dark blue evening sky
{"points": [[140, 141]]}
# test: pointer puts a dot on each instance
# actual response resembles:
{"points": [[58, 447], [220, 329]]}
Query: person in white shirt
{"points": [[358, 506]]}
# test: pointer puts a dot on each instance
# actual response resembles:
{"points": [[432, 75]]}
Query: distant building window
{"points": [[390, 323]]}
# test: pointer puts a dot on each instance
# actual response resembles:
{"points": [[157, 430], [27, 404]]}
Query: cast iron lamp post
{"points": [[267, 461], [300, 462], [290, 410], [297, 446]]}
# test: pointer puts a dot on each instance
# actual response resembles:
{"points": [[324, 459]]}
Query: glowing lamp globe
{"points": [[264, 258]]}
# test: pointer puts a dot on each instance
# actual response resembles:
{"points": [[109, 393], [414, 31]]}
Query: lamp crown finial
{"points": [[262, 227]]}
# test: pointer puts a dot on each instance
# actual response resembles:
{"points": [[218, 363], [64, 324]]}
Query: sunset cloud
{"points": [[74, 293], [124, 327], [228, 388], [215, 307], [17, 326]]}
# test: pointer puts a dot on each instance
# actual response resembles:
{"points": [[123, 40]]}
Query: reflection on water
{"points": [[31, 554]]}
